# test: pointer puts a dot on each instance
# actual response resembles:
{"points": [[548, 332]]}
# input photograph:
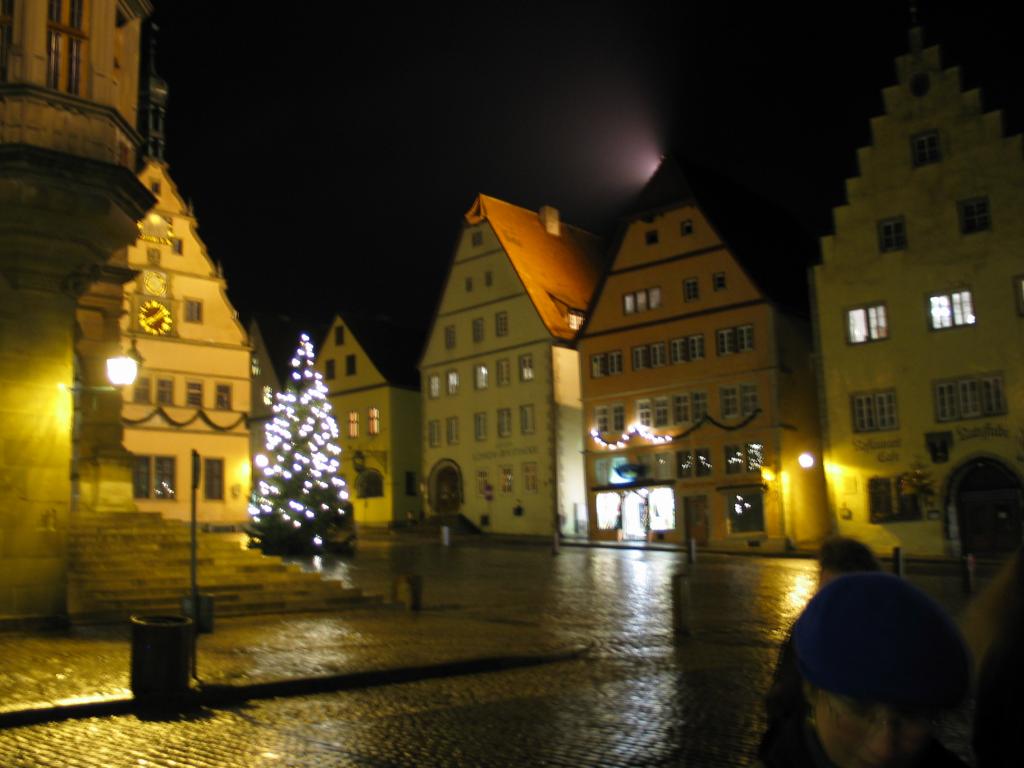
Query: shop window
{"points": [[746, 513], [609, 517]]}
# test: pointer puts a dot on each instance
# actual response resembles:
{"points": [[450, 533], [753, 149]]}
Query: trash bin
{"points": [[204, 618], [161, 659]]}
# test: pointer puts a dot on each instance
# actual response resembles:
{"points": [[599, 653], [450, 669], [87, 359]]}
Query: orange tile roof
{"points": [[559, 272]]}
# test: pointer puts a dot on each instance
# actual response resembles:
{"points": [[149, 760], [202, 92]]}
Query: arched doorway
{"points": [[989, 508], [445, 488]]}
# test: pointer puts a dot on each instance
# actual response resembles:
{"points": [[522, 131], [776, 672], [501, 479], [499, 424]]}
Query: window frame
{"points": [[892, 234], [373, 420], [527, 422], [434, 386], [164, 386], [691, 289], [918, 142], [194, 393], [503, 372], [971, 220], [526, 372], [868, 408], [213, 468], [193, 311], [434, 433], [353, 424], [222, 396], [480, 426], [481, 376], [451, 382], [601, 422], [504, 422], [615, 362], [451, 430], [873, 329], [954, 307], [449, 337], [478, 329], [501, 323]]}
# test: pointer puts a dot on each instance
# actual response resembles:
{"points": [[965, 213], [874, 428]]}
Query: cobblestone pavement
{"points": [[638, 697]]}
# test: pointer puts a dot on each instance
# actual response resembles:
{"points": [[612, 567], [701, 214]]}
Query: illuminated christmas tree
{"points": [[299, 503]]}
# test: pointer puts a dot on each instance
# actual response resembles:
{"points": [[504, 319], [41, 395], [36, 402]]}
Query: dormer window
{"points": [[576, 319]]}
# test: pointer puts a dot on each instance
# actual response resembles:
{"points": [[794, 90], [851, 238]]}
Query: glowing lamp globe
{"points": [[806, 460], [122, 370]]}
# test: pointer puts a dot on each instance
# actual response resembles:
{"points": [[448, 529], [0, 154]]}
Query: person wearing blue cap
{"points": [[879, 660]]}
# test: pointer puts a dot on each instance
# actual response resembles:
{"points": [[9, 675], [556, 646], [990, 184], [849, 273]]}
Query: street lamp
{"points": [[806, 460], [122, 369]]}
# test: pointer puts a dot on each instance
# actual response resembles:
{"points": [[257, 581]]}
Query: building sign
{"points": [[986, 431], [526, 450], [885, 450]]}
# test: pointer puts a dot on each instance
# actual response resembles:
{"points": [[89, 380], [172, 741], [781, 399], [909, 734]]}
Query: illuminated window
{"points": [[165, 391], [684, 464], [506, 479], [609, 517], [967, 398], [339, 335], [329, 369], [452, 430], [526, 367], [924, 148], [501, 324], [478, 329], [480, 425], [353, 423], [453, 382], [449, 337], [434, 433], [530, 477], [729, 402], [373, 421], [702, 462], [194, 393], [601, 418], [948, 310], [718, 281], [504, 422], [598, 366], [503, 372], [614, 362], [526, 423], [874, 411], [65, 45], [746, 513], [643, 412], [691, 291], [865, 324], [141, 393], [680, 409], [892, 234], [974, 215], [660, 411], [213, 479], [6, 34], [628, 304], [254, 365], [193, 311], [576, 319], [222, 395], [618, 418], [755, 457], [734, 459], [268, 395], [434, 386], [654, 297], [153, 477], [480, 376]]}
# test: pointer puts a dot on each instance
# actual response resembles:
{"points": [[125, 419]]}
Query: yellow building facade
{"points": [[920, 315], [69, 83], [500, 378], [376, 401], [193, 387], [697, 389]]}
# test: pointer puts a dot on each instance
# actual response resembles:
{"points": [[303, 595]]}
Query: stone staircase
{"points": [[128, 563]]}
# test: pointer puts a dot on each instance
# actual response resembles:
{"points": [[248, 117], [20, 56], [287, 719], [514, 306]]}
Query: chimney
{"points": [[549, 218]]}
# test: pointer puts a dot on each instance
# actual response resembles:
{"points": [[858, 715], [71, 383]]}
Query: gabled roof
{"points": [[391, 347], [764, 238], [559, 272]]}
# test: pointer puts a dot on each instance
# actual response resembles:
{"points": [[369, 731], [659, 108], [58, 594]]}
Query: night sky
{"points": [[331, 155]]}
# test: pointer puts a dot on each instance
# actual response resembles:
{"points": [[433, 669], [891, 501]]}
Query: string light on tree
{"points": [[300, 501]]}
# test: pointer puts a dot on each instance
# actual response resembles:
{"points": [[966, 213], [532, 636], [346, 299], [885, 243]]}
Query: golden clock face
{"points": [[155, 317], [154, 283]]}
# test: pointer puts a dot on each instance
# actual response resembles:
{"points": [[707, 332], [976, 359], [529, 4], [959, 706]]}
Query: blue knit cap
{"points": [[873, 636]]}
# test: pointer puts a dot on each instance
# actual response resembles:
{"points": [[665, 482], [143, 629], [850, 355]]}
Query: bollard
{"points": [[203, 618], [691, 550], [446, 536], [408, 590], [681, 604], [968, 573], [555, 543], [897, 561]]}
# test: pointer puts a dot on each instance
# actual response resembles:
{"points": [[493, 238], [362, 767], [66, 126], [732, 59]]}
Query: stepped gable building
{"points": [[69, 198], [501, 409], [193, 387], [919, 301], [369, 368], [697, 383]]}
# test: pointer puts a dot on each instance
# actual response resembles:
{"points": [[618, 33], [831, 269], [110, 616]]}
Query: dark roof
{"points": [[281, 336], [765, 238], [392, 346]]}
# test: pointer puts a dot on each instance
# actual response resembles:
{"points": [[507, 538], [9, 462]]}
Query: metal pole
{"points": [[897, 561], [691, 550], [193, 563]]}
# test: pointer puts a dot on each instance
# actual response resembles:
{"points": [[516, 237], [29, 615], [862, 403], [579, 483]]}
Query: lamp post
{"points": [[123, 368]]}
